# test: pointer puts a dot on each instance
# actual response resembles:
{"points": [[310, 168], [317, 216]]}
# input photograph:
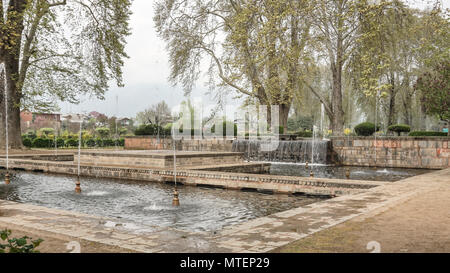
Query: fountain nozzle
{"points": [[347, 173], [78, 186], [7, 179], [176, 200], [311, 174]]}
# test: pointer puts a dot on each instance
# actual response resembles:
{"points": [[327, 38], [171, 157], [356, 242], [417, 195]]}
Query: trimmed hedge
{"points": [[152, 130], [27, 142], [70, 142], [400, 128], [365, 129], [42, 143], [427, 133]]}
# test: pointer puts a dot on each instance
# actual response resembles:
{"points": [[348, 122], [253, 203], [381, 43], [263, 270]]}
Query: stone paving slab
{"points": [[258, 235]]}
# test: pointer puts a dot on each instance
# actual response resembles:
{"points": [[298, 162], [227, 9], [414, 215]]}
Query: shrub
{"points": [[47, 131], [146, 130], [427, 133], [42, 142], [108, 143], [365, 129], [121, 142], [71, 142], [98, 142], [167, 129], [90, 142], [60, 142], [123, 131], [103, 132], [31, 135], [27, 142], [18, 245], [304, 134], [399, 128]]}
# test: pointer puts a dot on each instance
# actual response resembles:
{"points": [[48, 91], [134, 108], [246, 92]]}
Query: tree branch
{"points": [[221, 74], [322, 99]]}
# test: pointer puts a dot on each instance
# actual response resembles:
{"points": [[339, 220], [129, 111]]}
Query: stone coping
{"points": [[36, 155], [159, 154], [204, 174], [391, 137]]}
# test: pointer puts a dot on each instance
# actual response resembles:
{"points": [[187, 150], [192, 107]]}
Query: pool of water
{"points": [[339, 172], [147, 205]]}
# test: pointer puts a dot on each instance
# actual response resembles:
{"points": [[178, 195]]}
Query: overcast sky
{"points": [[147, 70]]}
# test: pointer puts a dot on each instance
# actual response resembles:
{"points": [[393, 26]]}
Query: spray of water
{"points": [[79, 147], [322, 117], [5, 87], [376, 121]]}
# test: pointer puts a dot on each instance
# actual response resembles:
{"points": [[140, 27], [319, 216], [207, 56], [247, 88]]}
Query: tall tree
{"points": [[435, 91], [398, 44], [57, 50], [337, 28], [254, 47], [158, 114]]}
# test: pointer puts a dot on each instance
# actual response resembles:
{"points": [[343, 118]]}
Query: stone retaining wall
{"points": [[396, 152], [152, 143], [158, 160]]}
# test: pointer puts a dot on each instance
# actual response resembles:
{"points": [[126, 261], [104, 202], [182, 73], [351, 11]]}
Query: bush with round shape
{"points": [[365, 129], [399, 128], [41, 142]]}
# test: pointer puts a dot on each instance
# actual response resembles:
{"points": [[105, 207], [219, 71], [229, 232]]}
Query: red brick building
{"points": [[36, 121]]}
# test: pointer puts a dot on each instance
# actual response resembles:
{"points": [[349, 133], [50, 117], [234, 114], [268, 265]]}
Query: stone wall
{"points": [[402, 152], [152, 143], [150, 159]]}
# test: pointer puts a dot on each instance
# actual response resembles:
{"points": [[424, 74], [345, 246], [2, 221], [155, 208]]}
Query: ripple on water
{"points": [[142, 205]]}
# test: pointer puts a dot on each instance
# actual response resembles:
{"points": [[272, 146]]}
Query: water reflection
{"points": [[356, 173]]}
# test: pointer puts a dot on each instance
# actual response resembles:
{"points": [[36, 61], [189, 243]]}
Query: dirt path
{"points": [[421, 224]]}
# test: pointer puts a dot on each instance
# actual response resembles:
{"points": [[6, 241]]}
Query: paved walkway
{"points": [[420, 224], [266, 233]]}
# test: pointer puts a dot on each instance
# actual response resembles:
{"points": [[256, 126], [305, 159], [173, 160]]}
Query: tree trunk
{"points": [[13, 106], [284, 113], [10, 55], [391, 114], [337, 119]]}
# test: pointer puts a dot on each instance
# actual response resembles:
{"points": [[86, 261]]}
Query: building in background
{"points": [[34, 121]]}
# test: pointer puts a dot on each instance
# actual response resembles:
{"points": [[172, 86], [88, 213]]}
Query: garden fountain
{"points": [[55, 138], [5, 87], [376, 128], [176, 199], [78, 181]]}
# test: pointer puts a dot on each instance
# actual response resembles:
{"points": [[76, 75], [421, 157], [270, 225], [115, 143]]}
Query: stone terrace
{"points": [[259, 235]]}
